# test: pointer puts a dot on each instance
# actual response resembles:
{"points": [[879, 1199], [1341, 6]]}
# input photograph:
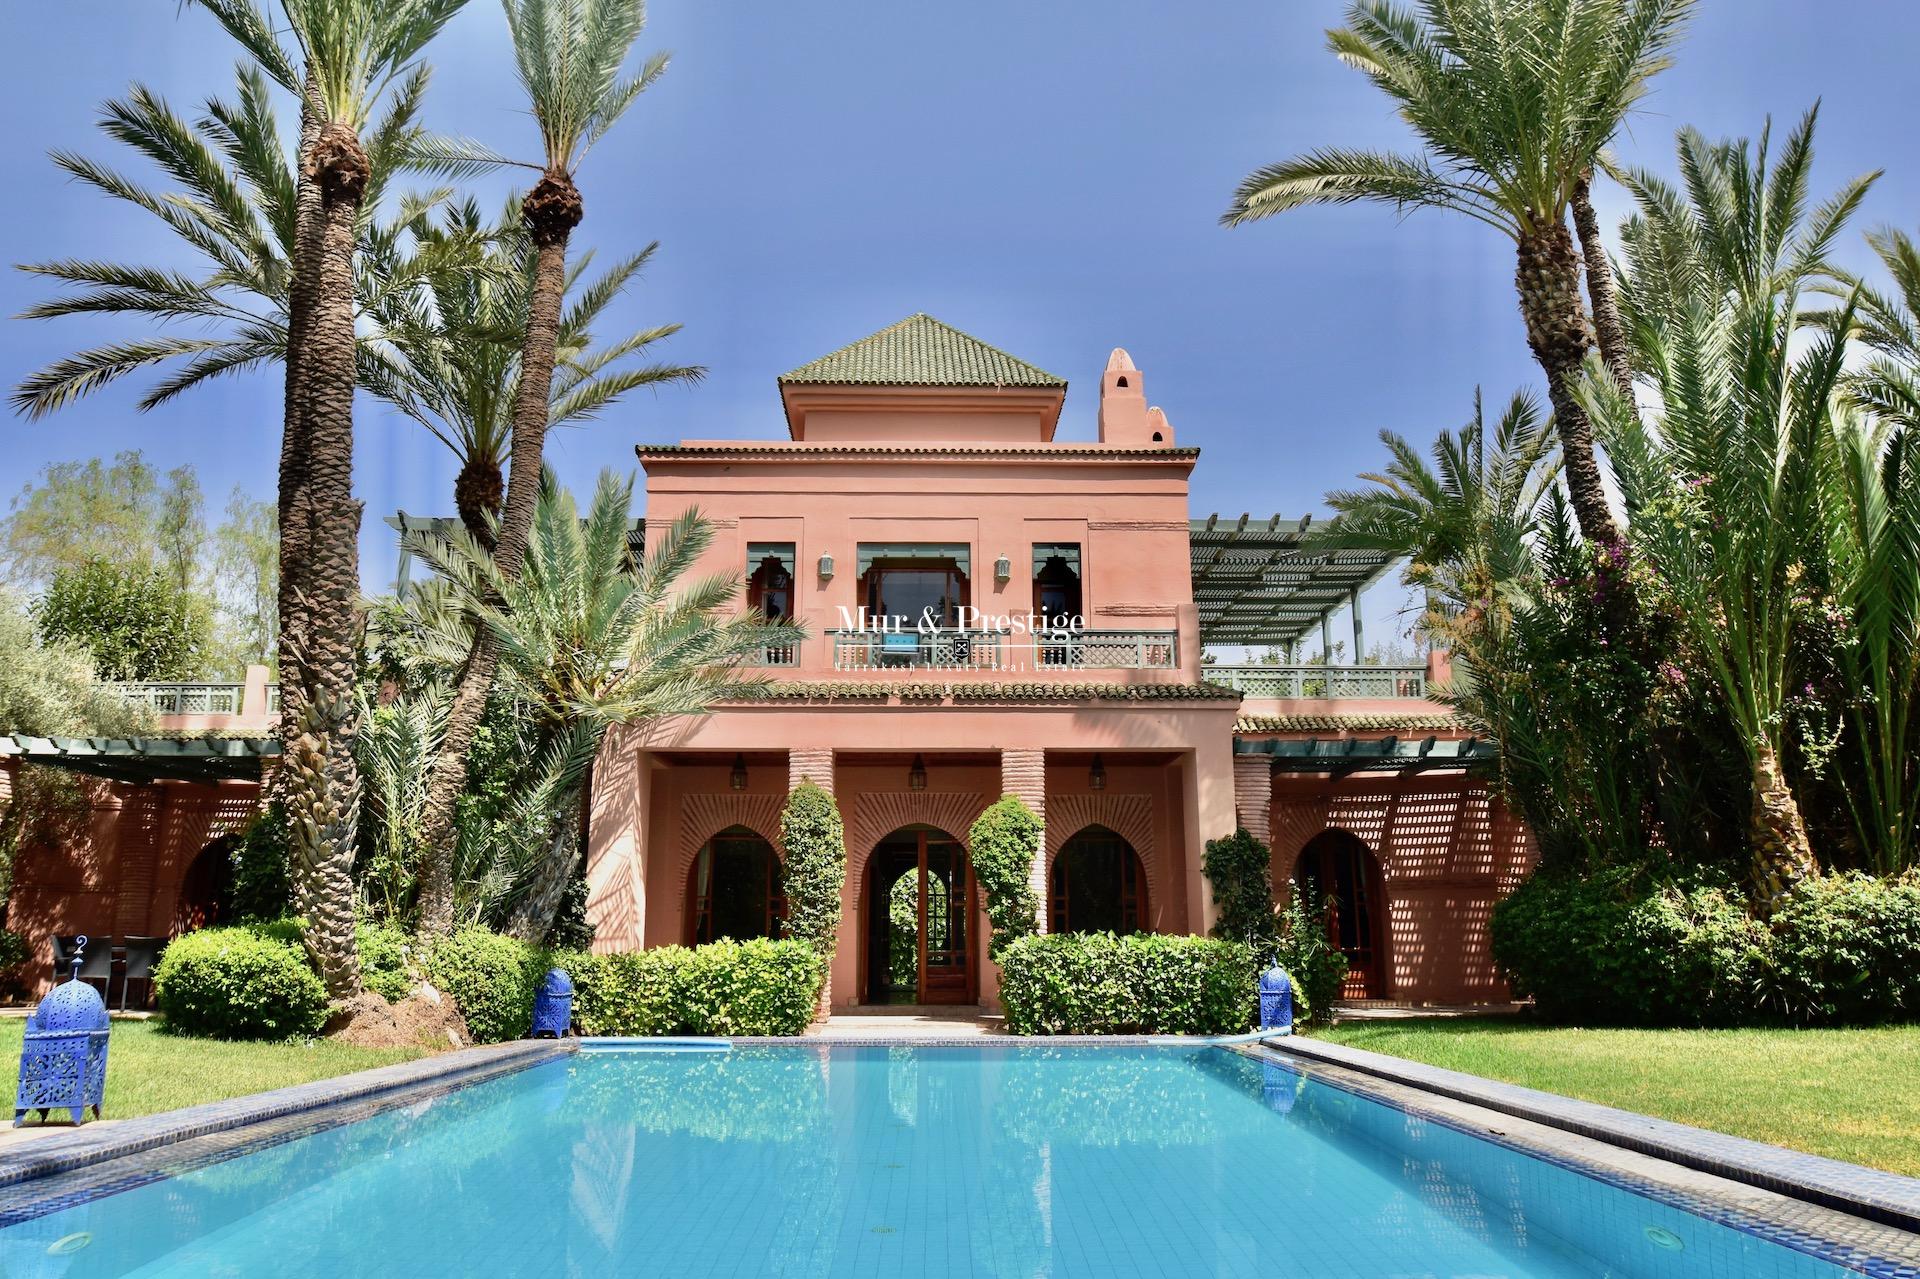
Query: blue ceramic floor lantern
{"points": [[63, 1064], [553, 1006], [1276, 1001]]}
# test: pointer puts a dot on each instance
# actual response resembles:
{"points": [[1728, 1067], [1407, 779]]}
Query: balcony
{"points": [[1288, 682], [183, 698], [970, 650]]}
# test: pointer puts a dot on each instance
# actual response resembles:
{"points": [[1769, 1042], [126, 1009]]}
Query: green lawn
{"points": [[1848, 1094], [149, 1070]]}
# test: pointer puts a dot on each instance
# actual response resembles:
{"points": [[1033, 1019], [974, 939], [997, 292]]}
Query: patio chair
{"points": [[96, 962], [141, 954]]}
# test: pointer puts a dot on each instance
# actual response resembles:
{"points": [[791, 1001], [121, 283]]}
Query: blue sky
{"points": [[1044, 175]]}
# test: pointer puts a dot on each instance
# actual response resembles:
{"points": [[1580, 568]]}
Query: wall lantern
{"points": [[1002, 569], [1097, 775], [826, 566], [917, 775], [737, 779]]}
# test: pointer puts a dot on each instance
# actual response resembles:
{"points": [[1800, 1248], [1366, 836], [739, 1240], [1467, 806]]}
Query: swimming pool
{"points": [[812, 1160]]}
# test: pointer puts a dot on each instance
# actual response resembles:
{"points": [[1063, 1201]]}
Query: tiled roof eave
{"points": [[987, 692], [785, 452]]}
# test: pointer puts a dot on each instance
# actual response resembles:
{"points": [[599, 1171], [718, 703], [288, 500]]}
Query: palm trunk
{"points": [[1782, 856], [294, 514], [323, 790], [1601, 293], [477, 495], [1548, 280], [552, 209], [534, 917]]}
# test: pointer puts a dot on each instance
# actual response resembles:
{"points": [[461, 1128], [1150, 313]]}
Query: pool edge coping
{"points": [[1872, 1194], [81, 1147]]}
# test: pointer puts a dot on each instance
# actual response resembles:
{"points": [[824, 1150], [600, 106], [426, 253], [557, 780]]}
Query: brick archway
{"points": [[704, 816], [877, 815], [1128, 816]]}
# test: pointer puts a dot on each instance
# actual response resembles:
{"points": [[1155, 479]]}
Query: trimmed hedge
{"points": [[1616, 949], [723, 988], [236, 983], [1005, 843], [491, 980], [1146, 983]]}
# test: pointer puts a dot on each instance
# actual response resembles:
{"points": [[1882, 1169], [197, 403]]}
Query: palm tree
{"points": [[1732, 486], [346, 54], [1463, 524], [1514, 101], [587, 640], [460, 336], [1889, 385], [233, 206], [569, 55]]}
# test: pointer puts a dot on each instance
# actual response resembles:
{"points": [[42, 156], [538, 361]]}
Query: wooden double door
{"points": [[920, 908]]}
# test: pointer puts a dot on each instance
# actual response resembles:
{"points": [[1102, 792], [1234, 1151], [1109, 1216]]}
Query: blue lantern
{"points": [[553, 1006], [63, 1064], [1276, 1001]]}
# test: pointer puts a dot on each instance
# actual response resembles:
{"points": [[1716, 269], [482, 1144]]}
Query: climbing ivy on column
{"points": [[1240, 870], [1006, 840], [815, 843]]}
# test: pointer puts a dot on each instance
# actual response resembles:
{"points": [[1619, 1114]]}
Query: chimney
{"points": [[1123, 403]]}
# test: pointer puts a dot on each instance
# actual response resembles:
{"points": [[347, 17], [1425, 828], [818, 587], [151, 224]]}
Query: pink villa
{"points": [[990, 610]]}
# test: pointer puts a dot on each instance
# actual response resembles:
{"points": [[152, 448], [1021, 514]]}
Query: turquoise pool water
{"points": [[891, 1161]]}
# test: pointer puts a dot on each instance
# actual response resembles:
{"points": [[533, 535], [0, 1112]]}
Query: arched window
{"points": [[1097, 886], [734, 889], [207, 888]]}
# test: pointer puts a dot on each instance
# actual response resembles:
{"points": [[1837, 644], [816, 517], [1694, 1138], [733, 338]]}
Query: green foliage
{"points": [[385, 954], [757, 987], [50, 688], [1145, 983], [234, 983], [1308, 954], [1845, 950], [1005, 844], [122, 512], [137, 623], [262, 884], [491, 980], [1239, 867], [815, 846], [1617, 947]]}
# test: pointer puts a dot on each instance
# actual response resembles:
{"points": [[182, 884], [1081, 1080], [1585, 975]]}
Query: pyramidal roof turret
{"points": [[920, 351]]}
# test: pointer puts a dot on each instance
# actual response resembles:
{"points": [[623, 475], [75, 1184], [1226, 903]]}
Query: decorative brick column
{"points": [[810, 764], [1253, 795], [1024, 773]]}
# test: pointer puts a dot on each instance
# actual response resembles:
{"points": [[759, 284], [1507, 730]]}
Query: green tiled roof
{"points": [[921, 351]]}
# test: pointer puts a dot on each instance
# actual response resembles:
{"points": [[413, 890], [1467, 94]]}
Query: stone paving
{"points": [[909, 1023]]}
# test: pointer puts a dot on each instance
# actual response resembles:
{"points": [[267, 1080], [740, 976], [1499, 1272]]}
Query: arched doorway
{"points": [[1341, 874], [917, 918], [734, 889], [206, 890], [1097, 885]]}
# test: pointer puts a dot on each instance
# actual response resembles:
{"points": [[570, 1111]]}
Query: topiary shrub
{"points": [[491, 980], [1146, 983], [813, 842], [1005, 844], [1845, 949], [234, 983], [384, 952], [1613, 948], [724, 988]]}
